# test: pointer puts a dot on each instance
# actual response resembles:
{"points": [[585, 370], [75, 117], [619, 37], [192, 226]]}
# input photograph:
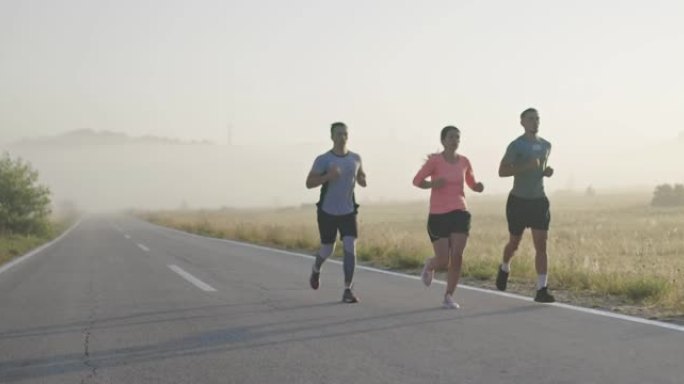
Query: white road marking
{"points": [[127, 236], [144, 248], [596, 312], [197, 282]]}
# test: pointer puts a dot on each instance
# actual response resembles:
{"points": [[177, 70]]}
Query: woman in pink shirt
{"points": [[449, 221]]}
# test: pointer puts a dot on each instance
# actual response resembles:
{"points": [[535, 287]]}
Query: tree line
{"points": [[25, 204], [666, 195]]}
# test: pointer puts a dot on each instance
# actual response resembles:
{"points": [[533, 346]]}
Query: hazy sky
{"points": [[281, 71], [602, 73]]}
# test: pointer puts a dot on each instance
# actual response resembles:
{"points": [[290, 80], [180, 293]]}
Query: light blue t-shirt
{"points": [[337, 196], [528, 184]]}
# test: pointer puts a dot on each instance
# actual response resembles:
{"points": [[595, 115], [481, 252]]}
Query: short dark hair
{"points": [[446, 130], [335, 125], [528, 110]]}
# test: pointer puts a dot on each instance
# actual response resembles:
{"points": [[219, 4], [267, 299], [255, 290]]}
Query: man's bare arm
{"points": [[315, 179], [507, 169], [361, 177]]}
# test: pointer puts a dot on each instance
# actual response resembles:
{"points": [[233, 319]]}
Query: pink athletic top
{"points": [[449, 197]]}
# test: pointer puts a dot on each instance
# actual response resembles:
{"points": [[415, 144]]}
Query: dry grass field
{"points": [[611, 251]]}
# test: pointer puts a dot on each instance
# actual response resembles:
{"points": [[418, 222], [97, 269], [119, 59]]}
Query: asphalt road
{"points": [[117, 300]]}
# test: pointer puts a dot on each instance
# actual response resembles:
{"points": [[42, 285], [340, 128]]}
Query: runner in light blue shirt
{"points": [[337, 172]]}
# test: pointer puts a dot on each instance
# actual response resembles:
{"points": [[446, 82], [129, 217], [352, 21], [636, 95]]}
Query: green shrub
{"points": [[24, 204]]}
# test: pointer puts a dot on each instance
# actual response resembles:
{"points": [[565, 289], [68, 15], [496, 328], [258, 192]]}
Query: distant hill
{"points": [[88, 137], [109, 170]]}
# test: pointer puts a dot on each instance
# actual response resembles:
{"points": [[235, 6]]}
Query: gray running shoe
{"points": [[348, 296]]}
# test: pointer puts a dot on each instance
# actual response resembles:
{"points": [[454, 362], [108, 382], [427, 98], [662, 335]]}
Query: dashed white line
{"points": [[197, 282], [595, 312], [144, 248]]}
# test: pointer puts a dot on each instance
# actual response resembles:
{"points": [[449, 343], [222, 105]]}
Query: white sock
{"points": [[541, 281], [506, 267]]}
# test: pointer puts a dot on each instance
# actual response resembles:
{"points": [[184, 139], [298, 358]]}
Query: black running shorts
{"points": [[527, 213], [442, 225], [328, 225]]}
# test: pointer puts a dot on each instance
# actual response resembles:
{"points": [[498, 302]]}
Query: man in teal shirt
{"points": [[527, 206]]}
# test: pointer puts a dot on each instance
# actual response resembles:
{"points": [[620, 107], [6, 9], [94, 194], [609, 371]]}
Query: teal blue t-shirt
{"points": [[528, 184]]}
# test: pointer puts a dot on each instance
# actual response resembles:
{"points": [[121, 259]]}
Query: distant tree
{"points": [[678, 193], [24, 204], [666, 195]]}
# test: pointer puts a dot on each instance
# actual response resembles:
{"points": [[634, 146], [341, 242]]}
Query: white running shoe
{"points": [[427, 274], [449, 303]]}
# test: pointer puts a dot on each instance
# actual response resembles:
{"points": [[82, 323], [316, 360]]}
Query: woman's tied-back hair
{"points": [[442, 136], [446, 130]]}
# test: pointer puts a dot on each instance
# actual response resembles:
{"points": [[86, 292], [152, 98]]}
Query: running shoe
{"points": [[426, 274], [315, 279], [501, 279], [449, 303], [348, 296], [543, 296]]}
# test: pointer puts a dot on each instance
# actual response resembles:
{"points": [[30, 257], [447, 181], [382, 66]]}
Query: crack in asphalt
{"points": [[91, 376]]}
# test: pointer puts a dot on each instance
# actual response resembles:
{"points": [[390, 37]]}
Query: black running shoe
{"points": [[501, 279], [348, 296], [314, 280], [543, 296]]}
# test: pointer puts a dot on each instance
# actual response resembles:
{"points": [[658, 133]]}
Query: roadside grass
{"points": [[609, 248], [12, 246]]}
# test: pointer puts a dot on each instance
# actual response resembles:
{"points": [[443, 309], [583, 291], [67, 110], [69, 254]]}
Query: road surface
{"points": [[118, 300]]}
